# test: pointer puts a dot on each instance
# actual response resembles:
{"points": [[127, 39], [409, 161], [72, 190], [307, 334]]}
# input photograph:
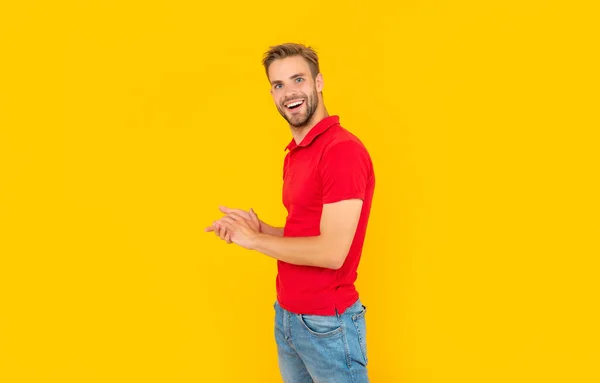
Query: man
{"points": [[328, 188]]}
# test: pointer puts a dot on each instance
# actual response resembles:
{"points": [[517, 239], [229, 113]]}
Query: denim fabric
{"points": [[322, 349]]}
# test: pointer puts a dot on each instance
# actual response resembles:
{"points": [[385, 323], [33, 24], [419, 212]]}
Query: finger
{"points": [[227, 219], [235, 216], [254, 217], [223, 232], [209, 229], [230, 226], [240, 221], [228, 238], [217, 229], [239, 217], [226, 210]]}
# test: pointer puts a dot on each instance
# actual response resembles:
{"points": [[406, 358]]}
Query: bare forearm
{"points": [[271, 230], [307, 251]]}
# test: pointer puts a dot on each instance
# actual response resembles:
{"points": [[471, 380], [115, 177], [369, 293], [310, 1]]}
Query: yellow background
{"points": [[125, 124]]}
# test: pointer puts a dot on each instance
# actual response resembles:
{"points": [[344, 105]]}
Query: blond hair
{"points": [[292, 49]]}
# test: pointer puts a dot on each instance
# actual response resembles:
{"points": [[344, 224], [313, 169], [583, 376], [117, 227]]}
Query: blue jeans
{"points": [[322, 349]]}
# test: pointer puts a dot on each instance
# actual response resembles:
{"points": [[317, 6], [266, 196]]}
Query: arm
{"points": [[270, 230], [329, 249], [345, 171], [251, 216]]}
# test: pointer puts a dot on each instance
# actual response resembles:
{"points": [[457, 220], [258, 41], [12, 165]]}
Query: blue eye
{"points": [[277, 86], [299, 79]]}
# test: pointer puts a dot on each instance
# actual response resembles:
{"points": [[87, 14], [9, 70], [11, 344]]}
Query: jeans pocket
{"points": [[321, 326], [361, 328]]}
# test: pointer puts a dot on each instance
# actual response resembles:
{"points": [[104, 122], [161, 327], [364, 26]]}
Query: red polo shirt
{"points": [[329, 165]]}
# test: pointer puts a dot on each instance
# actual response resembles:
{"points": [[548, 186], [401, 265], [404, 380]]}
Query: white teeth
{"points": [[294, 104]]}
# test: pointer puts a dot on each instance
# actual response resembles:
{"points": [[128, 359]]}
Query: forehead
{"points": [[282, 69]]}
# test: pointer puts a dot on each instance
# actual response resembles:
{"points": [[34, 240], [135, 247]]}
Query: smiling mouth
{"points": [[294, 104]]}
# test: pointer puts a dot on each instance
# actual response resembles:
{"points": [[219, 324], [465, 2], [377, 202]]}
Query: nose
{"points": [[293, 87], [292, 93]]}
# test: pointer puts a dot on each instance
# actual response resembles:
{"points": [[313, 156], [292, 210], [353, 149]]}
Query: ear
{"points": [[319, 82]]}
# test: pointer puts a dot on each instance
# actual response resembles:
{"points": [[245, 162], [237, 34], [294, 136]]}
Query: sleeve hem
{"points": [[357, 195]]}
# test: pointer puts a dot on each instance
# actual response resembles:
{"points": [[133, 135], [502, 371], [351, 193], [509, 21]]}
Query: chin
{"points": [[300, 123]]}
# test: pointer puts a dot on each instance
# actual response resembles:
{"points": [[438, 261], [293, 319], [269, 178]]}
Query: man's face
{"points": [[295, 92]]}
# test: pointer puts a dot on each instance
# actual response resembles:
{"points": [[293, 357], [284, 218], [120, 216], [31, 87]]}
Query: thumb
{"points": [[254, 216], [224, 209]]}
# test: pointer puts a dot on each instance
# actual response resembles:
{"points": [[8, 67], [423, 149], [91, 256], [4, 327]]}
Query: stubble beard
{"points": [[299, 121]]}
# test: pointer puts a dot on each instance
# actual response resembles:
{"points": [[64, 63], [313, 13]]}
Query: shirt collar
{"points": [[319, 128]]}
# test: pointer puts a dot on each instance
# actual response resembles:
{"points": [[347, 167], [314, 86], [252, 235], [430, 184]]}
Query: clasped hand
{"points": [[237, 226]]}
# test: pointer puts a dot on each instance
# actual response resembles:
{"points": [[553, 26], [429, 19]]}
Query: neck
{"points": [[300, 133]]}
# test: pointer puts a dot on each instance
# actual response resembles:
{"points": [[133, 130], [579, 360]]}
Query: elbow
{"points": [[336, 266], [336, 261], [334, 254]]}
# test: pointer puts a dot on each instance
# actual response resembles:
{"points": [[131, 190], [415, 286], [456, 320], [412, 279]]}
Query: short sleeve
{"points": [[345, 170]]}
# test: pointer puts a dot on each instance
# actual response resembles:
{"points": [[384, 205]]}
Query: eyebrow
{"points": [[291, 78]]}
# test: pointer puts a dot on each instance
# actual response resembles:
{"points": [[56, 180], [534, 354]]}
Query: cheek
{"points": [[309, 89]]}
